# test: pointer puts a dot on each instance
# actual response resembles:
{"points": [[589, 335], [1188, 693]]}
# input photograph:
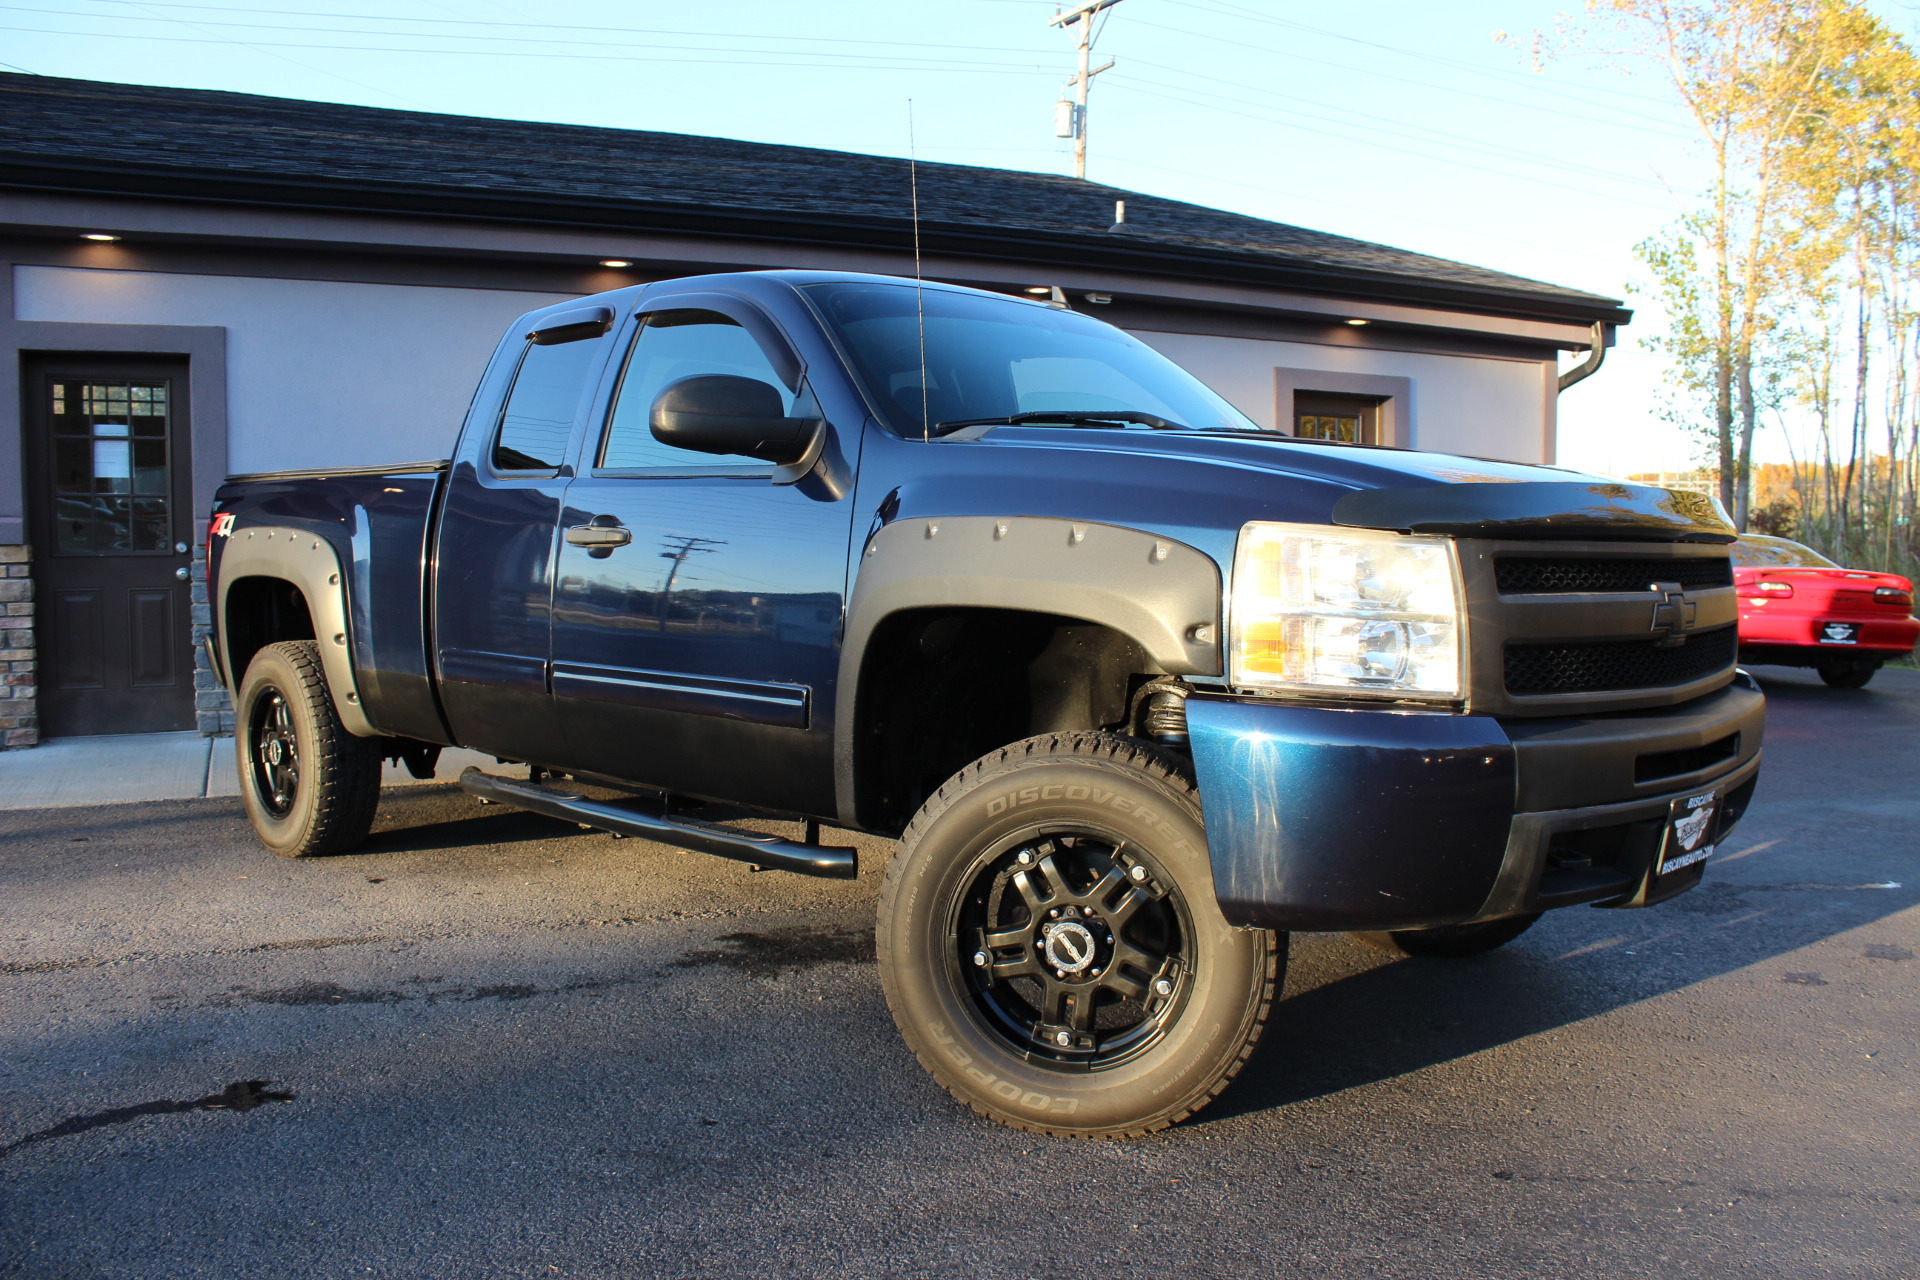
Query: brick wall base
{"points": [[19, 652], [212, 705]]}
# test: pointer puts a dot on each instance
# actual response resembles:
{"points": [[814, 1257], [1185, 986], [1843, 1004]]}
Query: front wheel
{"points": [[1051, 948], [309, 786]]}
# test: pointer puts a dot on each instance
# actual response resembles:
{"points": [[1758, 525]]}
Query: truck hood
{"points": [[1410, 491]]}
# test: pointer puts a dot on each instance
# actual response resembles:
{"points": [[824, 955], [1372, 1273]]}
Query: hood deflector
{"points": [[1544, 509]]}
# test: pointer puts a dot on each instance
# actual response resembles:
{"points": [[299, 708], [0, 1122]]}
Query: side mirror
{"points": [[721, 413]]}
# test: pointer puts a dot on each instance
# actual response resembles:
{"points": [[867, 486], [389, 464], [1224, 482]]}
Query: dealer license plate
{"points": [[1839, 633], [1689, 831]]}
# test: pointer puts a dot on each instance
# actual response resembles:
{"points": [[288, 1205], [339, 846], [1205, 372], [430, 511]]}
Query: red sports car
{"points": [[1800, 609]]}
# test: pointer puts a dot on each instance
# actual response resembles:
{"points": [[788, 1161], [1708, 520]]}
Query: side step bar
{"points": [[773, 853]]}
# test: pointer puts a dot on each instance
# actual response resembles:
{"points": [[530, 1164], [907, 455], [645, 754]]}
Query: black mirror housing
{"points": [[725, 414]]}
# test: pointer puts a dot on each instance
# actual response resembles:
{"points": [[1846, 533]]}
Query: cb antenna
{"points": [[919, 288]]}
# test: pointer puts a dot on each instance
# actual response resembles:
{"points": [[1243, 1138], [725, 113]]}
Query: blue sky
{"points": [[1404, 123]]}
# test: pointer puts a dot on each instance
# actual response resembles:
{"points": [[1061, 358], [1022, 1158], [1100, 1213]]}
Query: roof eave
{"points": [[1105, 249]]}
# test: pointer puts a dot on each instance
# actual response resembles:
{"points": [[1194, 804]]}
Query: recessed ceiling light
{"points": [[101, 236], [615, 262], [1039, 290], [1356, 322]]}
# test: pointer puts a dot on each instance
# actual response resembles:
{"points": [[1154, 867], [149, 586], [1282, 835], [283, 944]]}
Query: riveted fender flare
{"points": [[1163, 594], [310, 563]]}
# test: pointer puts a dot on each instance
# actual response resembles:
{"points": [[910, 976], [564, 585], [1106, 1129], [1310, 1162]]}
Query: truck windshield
{"points": [[992, 358]]}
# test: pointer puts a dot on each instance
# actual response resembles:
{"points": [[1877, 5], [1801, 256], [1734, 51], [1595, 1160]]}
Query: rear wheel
{"points": [[309, 786], [1051, 948], [1848, 675], [1451, 941]]}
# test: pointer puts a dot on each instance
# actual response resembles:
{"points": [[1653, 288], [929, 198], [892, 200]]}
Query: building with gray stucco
{"points": [[201, 283]]}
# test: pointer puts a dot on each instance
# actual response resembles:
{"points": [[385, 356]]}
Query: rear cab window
{"points": [[536, 422]]}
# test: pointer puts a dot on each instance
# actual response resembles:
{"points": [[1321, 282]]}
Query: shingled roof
{"points": [[88, 136]]}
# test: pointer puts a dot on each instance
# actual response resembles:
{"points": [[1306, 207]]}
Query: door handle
{"points": [[600, 536]]}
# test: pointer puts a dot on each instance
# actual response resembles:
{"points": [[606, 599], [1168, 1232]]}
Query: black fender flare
{"points": [[1162, 593], [312, 565]]}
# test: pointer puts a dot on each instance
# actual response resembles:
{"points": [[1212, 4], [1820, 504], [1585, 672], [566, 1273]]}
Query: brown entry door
{"points": [[110, 487]]}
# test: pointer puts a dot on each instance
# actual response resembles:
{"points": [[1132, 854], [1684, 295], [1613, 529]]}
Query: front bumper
{"points": [[1332, 819]]}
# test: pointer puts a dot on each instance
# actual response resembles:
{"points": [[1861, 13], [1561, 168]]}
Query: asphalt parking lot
{"points": [[494, 1045]]}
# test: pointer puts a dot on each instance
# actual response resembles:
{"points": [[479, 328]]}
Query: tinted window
{"points": [[989, 357], [538, 417], [672, 345]]}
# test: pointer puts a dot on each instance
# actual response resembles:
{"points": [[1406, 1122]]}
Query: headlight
{"points": [[1353, 611]]}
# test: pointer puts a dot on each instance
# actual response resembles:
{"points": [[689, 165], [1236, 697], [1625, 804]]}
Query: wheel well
{"points": [[260, 612], [939, 688]]}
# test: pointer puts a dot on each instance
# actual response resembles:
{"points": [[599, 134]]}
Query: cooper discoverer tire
{"points": [[1051, 948], [310, 787]]}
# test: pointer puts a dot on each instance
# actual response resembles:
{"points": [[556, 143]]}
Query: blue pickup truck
{"points": [[1139, 687]]}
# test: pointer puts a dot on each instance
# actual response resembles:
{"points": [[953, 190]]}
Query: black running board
{"points": [[773, 853]]}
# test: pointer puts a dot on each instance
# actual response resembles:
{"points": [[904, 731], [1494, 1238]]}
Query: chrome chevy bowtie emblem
{"points": [[1068, 945], [1673, 613]]}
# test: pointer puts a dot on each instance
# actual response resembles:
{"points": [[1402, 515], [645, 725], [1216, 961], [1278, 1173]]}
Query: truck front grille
{"points": [[1617, 664], [1557, 575]]}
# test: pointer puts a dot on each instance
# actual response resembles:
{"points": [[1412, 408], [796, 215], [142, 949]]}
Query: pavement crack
{"points": [[241, 1095]]}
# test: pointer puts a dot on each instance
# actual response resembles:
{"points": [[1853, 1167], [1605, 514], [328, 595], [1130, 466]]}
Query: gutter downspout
{"points": [[1596, 356]]}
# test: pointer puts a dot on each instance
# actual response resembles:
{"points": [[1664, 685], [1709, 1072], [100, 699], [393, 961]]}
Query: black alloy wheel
{"points": [[275, 763], [1071, 947], [309, 786], [1051, 947]]}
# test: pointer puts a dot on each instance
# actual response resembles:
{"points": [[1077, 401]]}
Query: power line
{"points": [[537, 26], [689, 546], [1400, 129], [984, 69], [1122, 83], [1221, 8], [1586, 117], [296, 62]]}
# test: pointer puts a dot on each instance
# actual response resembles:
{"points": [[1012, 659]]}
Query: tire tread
{"points": [[346, 769], [1125, 752]]}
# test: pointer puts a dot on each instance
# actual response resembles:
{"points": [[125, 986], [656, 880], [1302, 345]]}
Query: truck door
{"points": [[494, 555], [699, 654]]}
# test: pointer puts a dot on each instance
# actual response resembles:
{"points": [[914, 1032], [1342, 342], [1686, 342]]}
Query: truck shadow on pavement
{"points": [[1402, 1017]]}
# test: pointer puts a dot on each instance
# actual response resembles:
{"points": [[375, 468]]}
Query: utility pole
{"points": [[688, 546], [1070, 116]]}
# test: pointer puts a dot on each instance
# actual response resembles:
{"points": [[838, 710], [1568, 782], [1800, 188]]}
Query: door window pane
{"points": [[672, 345], [110, 441], [538, 418]]}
